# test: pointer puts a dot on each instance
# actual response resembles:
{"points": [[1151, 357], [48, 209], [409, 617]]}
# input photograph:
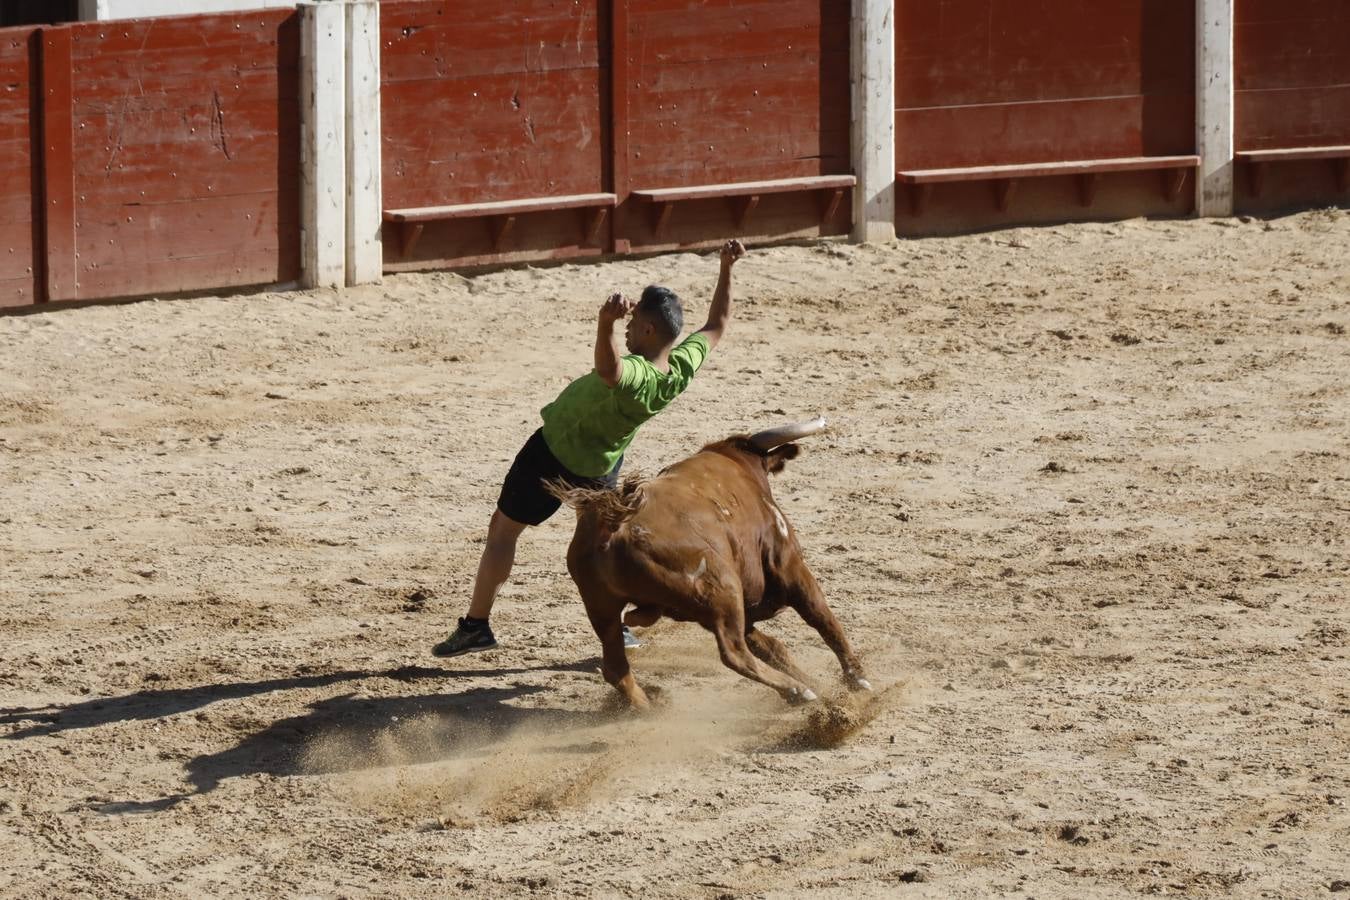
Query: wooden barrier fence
{"points": [[161, 153], [204, 152], [572, 129]]}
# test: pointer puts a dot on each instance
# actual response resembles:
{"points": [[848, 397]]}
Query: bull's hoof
{"points": [[797, 696], [861, 684]]}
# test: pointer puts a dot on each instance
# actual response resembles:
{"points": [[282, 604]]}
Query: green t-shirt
{"points": [[590, 425]]}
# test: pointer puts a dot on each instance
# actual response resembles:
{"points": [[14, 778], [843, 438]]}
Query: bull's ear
{"points": [[777, 458]]}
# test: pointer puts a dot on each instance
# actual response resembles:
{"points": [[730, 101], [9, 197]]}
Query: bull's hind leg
{"points": [[805, 596], [729, 629], [606, 614], [606, 618], [769, 649]]}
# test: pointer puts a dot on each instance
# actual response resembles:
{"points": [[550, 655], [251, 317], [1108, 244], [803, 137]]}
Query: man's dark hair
{"points": [[662, 307]]}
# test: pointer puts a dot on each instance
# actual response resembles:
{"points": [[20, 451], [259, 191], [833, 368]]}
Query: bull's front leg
{"points": [[806, 597], [729, 628]]}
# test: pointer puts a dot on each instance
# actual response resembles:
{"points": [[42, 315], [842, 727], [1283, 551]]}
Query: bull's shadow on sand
{"points": [[451, 724]]}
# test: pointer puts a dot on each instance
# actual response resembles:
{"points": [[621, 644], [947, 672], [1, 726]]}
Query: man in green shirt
{"points": [[588, 428]]}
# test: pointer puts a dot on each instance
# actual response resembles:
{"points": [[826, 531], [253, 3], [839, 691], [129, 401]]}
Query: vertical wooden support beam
{"points": [[919, 195], [58, 167], [1004, 188], [592, 220], [499, 229], [872, 59], [409, 232], [619, 78], [365, 201], [661, 212], [323, 166], [830, 201], [1214, 107], [1256, 177], [742, 207], [1087, 189], [1173, 180]]}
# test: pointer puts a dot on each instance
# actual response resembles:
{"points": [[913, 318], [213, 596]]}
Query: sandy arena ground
{"points": [[1084, 510]]}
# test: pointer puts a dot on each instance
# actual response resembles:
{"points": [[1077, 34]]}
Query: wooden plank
{"points": [[58, 173], [964, 52], [1271, 120], [15, 292], [244, 34], [140, 176], [619, 119], [1039, 170], [233, 268], [323, 168], [476, 48], [1214, 132], [19, 270], [1295, 44], [776, 186], [707, 32], [469, 141], [1294, 153], [787, 86], [680, 174], [708, 221], [113, 235], [502, 208], [872, 139], [1103, 128], [365, 255]]}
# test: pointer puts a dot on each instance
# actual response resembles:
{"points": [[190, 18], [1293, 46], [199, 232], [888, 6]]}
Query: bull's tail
{"points": [[612, 506]]}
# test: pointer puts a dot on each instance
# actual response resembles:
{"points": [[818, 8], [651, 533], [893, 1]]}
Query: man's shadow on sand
{"points": [[450, 724]]}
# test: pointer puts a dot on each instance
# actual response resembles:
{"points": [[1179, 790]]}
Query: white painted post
{"points": [[365, 201], [1214, 107], [873, 125], [323, 167]]}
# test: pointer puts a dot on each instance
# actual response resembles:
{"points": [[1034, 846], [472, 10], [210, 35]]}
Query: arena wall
{"points": [[157, 156], [988, 83], [552, 99], [20, 203], [168, 155], [1292, 73]]}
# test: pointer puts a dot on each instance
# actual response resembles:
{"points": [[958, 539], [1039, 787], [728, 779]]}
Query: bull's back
{"points": [[701, 526]]}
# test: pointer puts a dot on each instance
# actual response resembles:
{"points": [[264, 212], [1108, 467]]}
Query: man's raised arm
{"points": [[608, 359], [720, 311]]}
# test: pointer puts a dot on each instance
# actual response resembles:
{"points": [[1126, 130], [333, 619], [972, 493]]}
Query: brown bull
{"points": [[704, 542]]}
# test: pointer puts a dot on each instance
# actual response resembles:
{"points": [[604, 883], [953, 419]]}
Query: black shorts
{"points": [[523, 497]]}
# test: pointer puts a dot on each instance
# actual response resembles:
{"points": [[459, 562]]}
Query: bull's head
{"points": [[774, 446]]}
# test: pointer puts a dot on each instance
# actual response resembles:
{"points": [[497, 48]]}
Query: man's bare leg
{"points": [[494, 568]]}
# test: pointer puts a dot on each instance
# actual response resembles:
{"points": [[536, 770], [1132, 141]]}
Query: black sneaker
{"points": [[465, 640]]}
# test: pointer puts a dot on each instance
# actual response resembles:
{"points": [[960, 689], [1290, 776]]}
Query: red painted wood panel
{"points": [[991, 82], [736, 90], [491, 102], [1292, 61], [186, 152], [18, 270], [58, 166]]}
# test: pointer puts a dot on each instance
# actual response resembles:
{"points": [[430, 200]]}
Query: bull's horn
{"points": [[783, 434]]}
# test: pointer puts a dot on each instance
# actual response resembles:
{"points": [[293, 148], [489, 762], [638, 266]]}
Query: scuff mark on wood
{"points": [[218, 134]]}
